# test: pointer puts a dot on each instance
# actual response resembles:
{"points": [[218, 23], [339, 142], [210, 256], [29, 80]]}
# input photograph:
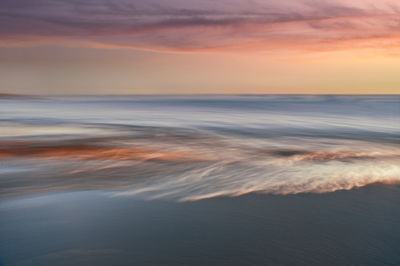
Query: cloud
{"points": [[177, 25]]}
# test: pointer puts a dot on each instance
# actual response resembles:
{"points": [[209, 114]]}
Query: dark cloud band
{"points": [[191, 25]]}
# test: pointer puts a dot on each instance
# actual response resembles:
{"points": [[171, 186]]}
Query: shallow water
{"points": [[357, 227]]}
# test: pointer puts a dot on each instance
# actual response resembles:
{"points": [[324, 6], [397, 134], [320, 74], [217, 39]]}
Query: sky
{"points": [[199, 46]]}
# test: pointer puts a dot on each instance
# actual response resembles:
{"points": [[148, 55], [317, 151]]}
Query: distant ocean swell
{"points": [[210, 150]]}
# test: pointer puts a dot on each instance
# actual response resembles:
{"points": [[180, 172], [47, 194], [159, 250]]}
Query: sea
{"points": [[200, 180]]}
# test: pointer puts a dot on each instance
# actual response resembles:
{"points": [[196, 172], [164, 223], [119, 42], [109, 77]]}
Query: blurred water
{"points": [[76, 174], [195, 147]]}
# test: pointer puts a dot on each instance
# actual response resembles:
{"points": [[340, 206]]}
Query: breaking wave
{"points": [[197, 169]]}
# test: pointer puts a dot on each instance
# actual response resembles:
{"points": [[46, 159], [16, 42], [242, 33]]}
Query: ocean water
{"points": [[204, 180], [188, 148]]}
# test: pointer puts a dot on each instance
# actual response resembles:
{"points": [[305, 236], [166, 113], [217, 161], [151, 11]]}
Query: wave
{"points": [[192, 147], [187, 169], [284, 177]]}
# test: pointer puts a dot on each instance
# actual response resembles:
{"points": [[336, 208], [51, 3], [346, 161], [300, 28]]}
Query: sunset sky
{"points": [[196, 47]]}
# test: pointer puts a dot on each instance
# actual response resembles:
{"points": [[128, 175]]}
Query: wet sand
{"points": [[357, 227]]}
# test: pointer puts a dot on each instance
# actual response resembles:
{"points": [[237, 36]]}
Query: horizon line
{"points": [[200, 94]]}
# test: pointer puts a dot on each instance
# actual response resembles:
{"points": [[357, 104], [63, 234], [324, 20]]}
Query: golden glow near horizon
{"points": [[180, 47]]}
